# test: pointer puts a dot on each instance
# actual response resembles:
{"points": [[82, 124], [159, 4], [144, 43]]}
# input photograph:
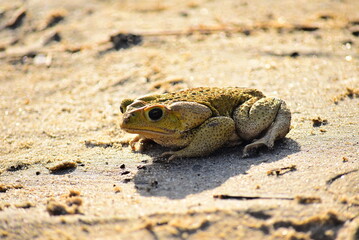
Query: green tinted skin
{"points": [[200, 120]]}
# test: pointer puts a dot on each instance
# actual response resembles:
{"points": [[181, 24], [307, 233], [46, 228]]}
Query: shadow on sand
{"points": [[182, 177]]}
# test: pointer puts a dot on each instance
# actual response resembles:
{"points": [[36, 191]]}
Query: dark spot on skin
{"points": [[213, 124]]}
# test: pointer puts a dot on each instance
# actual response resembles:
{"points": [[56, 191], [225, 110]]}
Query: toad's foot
{"points": [[168, 156], [250, 148], [138, 143]]}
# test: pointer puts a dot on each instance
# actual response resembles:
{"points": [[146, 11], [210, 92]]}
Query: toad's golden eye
{"points": [[155, 114]]}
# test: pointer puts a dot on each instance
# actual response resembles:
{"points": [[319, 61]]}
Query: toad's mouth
{"points": [[159, 131]]}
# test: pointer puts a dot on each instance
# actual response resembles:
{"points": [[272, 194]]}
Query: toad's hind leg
{"points": [[211, 135], [267, 118]]}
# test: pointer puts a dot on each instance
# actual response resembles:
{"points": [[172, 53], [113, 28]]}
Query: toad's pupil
{"points": [[155, 114]]}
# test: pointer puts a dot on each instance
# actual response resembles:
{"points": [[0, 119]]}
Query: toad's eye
{"points": [[155, 114]]}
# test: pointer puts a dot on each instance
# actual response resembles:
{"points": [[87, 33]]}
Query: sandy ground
{"points": [[67, 172]]}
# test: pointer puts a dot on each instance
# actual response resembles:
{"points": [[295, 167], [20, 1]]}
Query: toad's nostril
{"points": [[125, 118]]}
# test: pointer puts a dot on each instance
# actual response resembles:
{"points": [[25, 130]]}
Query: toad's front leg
{"points": [[208, 137], [138, 143]]}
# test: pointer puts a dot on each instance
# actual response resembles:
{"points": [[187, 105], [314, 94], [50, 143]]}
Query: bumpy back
{"points": [[222, 101]]}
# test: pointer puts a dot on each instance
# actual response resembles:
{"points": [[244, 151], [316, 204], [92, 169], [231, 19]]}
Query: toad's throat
{"points": [[164, 132]]}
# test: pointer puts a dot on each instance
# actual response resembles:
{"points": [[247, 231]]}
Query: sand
{"points": [[67, 172]]}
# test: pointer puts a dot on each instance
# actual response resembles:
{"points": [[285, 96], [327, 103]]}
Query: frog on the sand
{"points": [[200, 120]]}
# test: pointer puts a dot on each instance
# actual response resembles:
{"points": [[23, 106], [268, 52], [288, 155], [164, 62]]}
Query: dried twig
{"points": [[241, 197], [336, 177], [282, 171]]}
